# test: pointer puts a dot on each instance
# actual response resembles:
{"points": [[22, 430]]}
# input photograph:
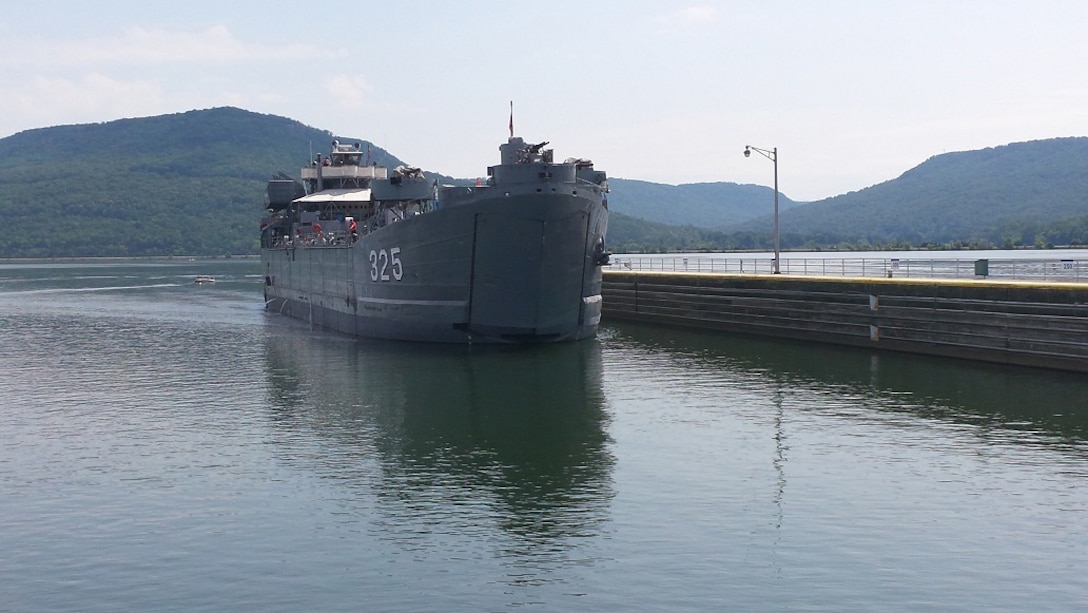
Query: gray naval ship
{"points": [[356, 248]]}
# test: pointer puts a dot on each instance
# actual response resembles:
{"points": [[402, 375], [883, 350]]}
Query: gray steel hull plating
{"points": [[501, 269]]}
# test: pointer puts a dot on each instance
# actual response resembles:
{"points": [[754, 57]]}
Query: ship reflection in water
{"points": [[431, 440], [168, 447]]}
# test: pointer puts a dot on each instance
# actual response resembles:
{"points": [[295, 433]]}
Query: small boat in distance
{"points": [[202, 279]]}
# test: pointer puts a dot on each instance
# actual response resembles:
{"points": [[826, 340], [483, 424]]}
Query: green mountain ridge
{"points": [[192, 183], [1002, 195], [704, 205], [182, 184]]}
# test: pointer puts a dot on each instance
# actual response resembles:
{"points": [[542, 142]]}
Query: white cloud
{"points": [[692, 14], [94, 97], [146, 71], [348, 91], [146, 46], [698, 13], [675, 90]]}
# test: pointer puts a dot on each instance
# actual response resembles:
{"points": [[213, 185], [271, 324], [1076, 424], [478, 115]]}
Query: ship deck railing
{"points": [[316, 239], [345, 172], [1034, 269]]}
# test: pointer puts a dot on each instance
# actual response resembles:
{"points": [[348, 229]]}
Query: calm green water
{"points": [[168, 446]]}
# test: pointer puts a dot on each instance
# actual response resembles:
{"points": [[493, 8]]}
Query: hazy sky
{"points": [[852, 93]]}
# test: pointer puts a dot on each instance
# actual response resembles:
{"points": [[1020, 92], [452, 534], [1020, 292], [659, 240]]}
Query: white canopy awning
{"points": [[338, 195]]}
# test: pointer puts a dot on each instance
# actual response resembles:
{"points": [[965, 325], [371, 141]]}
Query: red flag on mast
{"points": [[511, 119]]}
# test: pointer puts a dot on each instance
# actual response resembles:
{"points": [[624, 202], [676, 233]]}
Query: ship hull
{"points": [[505, 268]]}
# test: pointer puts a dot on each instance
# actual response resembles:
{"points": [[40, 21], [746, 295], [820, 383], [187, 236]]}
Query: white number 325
{"points": [[385, 263]]}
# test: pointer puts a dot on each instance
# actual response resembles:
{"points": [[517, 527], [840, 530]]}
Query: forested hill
{"points": [[192, 184], [1015, 194], [182, 184], [706, 205]]}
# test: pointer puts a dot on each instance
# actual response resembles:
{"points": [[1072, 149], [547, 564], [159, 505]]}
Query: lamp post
{"points": [[771, 155]]}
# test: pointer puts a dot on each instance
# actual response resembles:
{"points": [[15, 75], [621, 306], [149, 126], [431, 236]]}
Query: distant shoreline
{"points": [[149, 258]]}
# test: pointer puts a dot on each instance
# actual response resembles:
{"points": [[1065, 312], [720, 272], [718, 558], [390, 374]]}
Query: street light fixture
{"points": [[771, 155]]}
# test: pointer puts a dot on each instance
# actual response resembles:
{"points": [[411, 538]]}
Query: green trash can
{"points": [[982, 268]]}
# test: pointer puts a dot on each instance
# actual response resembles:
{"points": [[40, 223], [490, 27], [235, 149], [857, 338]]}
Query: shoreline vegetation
{"points": [[146, 258], [174, 186], [868, 249], [199, 258]]}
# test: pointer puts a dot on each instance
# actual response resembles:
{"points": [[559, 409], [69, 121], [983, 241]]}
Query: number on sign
{"points": [[383, 262], [398, 269]]}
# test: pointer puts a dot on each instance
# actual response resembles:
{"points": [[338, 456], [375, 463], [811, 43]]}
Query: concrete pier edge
{"points": [[1038, 324]]}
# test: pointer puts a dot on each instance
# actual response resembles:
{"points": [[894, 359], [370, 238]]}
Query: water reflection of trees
{"points": [[993, 398], [442, 438]]}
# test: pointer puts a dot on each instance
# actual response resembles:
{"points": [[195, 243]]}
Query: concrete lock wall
{"points": [[1031, 324]]}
